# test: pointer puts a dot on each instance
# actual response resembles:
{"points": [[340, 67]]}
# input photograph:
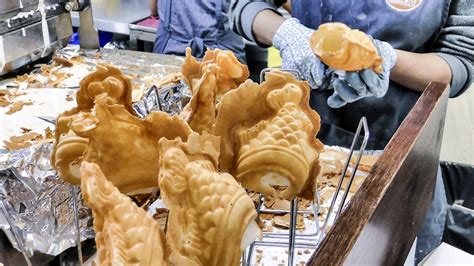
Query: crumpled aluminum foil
{"points": [[170, 99], [39, 204]]}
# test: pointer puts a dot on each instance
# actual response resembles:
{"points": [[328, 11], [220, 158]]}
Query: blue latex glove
{"points": [[292, 39], [352, 86]]}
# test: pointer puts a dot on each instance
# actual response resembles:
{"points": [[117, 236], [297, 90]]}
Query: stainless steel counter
{"points": [[142, 62], [115, 15]]}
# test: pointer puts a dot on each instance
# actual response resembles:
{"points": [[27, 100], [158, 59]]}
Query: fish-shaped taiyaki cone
{"points": [[124, 146], [105, 80], [230, 72], [68, 148], [217, 73], [268, 136], [200, 112], [343, 48], [125, 233], [211, 218], [108, 82]]}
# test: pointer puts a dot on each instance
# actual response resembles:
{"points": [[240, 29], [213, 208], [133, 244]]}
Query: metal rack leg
{"points": [[76, 222], [291, 243], [362, 124], [259, 206], [316, 209], [250, 253], [244, 258]]}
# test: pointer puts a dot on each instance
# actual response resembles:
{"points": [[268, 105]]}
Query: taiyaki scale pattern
{"points": [[268, 136], [125, 233], [211, 219]]}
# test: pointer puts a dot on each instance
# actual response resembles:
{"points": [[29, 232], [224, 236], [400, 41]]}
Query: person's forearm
{"points": [[416, 71], [287, 6], [153, 7], [265, 25]]}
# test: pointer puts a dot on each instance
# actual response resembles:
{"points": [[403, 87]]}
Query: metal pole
{"points": [[244, 257], [291, 242], [76, 222], [316, 209], [249, 254], [362, 123]]}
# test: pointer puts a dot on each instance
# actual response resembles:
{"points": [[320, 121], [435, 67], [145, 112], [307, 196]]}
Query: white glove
{"points": [[355, 85], [292, 39]]}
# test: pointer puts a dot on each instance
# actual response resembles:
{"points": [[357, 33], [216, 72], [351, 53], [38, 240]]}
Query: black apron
{"points": [[410, 25]]}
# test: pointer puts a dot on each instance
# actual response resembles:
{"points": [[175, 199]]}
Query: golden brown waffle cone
{"points": [[125, 233], [268, 136], [107, 81], [210, 213], [343, 48], [230, 72], [126, 147], [217, 73]]}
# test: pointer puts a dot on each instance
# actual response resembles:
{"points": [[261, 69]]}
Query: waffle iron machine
{"points": [[33, 29]]}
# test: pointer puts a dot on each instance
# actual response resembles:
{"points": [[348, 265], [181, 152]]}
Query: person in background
{"points": [[153, 12], [153, 8], [419, 42], [196, 24]]}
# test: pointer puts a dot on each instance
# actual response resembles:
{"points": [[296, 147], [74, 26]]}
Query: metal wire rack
{"points": [[168, 98], [291, 239]]}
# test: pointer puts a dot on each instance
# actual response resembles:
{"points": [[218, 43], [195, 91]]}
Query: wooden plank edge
{"points": [[354, 218]]}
